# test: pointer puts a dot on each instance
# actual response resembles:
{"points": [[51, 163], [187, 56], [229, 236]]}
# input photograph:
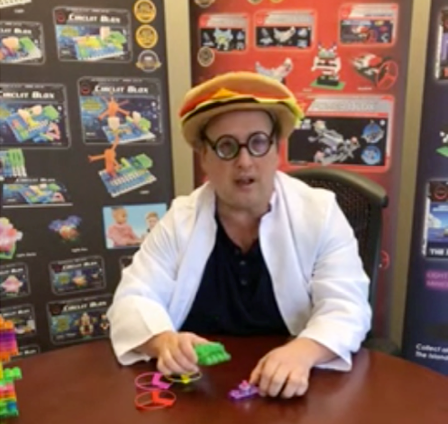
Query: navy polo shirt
{"points": [[235, 296]]}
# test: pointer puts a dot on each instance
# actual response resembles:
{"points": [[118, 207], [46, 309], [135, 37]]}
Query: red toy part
{"points": [[154, 399], [387, 74]]}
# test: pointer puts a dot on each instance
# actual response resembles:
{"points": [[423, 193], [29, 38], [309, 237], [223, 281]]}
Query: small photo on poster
{"points": [[14, 281], [35, 192], [435, 234], [79, 320], [21, 43], [12, 164], [24, 319], [442, 48], [13, 3], [372, 24], [93, 35], [131, 173], [292, 29], [124, 109], [10, 237], [77, 275], [125, 261], [26, 352], [126, 226], [224, 32], [33, 115], [344, 130]]}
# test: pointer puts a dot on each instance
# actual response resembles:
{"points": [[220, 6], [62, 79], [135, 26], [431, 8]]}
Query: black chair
{"points": [[362, 202]]}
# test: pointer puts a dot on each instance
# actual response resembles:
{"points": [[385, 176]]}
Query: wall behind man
{"points": [[178, 47]]}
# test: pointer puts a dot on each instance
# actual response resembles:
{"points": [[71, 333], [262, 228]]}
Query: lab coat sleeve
{"points": [[341, 313], [140, 304]]}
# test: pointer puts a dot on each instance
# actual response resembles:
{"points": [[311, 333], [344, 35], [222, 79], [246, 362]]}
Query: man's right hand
{"points": [[174, 352]]}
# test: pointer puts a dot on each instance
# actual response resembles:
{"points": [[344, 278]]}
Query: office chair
{"points": [[362, 202]]}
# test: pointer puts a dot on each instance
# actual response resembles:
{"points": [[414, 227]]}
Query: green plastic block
{"points": [[211, 354], [11, 374]]}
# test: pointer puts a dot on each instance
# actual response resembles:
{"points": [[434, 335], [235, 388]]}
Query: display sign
{"points": [[85, 159], [425, 335]]}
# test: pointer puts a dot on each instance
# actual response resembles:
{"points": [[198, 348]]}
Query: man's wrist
{"points": [[315, 352]]}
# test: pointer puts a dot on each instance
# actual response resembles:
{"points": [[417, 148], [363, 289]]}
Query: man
{"points": [[251, 252]]}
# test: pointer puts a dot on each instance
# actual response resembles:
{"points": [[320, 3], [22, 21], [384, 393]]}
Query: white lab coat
{"points": [[310, 251]]}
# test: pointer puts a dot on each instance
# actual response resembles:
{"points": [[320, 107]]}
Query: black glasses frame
{"points": [[214, 144]]}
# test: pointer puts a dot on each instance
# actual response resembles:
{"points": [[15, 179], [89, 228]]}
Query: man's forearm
{"points": [[314, 351]]}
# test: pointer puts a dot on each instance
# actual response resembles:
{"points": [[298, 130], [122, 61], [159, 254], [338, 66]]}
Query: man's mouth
{"points": [[244, 181]]}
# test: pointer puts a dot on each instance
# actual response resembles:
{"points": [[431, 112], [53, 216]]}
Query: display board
{"points": [[345, 61], [85, 157], [426, 323]]}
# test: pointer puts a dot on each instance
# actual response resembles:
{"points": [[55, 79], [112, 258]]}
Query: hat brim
{"points": [[285, 118]]}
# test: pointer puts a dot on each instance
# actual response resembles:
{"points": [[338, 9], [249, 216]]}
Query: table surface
{"points": [[85, 384]]}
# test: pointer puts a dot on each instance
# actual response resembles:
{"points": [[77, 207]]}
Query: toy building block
{"points": [[8, 348], [244, 391], [211, 354]]}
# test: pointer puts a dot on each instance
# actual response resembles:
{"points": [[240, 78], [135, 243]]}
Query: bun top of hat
{"points": [[238, 91]]}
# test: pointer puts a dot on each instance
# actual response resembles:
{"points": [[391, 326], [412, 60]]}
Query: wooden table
{"points": [[85, 385]]}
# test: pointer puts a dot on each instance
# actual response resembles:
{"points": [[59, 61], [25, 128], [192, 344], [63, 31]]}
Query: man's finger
{"points": [[268, 371], [297, 384], [171, 364], [255, 375], [187, 349], [162, 367], [183, 358], [278, 381]]}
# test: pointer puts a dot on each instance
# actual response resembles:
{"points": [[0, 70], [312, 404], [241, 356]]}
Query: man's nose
{"points": [[244, 159]]}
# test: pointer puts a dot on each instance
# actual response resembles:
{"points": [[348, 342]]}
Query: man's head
{"points": [[236, 122]]}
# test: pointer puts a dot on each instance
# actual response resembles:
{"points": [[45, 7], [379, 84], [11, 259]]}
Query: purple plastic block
{"points": [[244, 391]]}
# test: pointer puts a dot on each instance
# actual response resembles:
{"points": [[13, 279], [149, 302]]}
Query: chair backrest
{"points": [[362, 202]]}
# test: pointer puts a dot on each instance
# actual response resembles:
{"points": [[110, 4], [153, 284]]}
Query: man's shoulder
{"points": [[188, 204], [300, 191]]}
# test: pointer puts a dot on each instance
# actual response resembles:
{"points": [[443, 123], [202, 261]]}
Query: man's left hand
{"points": [[286, 370]]}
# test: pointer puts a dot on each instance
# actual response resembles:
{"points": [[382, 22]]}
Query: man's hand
{"points": [[286, 370], [174, 352]]}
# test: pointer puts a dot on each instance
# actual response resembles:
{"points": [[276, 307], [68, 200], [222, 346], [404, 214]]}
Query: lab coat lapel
{"points": [[283, 260], [196, 251]]}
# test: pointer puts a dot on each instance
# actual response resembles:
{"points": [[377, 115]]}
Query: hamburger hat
{"points": [[234, 91]]}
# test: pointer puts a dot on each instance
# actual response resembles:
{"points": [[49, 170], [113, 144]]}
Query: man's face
{"points": [[245, 182]]}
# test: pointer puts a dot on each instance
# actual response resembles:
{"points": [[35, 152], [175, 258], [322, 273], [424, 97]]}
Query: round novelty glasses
{"points": [[228, 147]]}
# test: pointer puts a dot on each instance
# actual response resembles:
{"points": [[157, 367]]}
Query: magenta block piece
{"points": [[244, 391]]}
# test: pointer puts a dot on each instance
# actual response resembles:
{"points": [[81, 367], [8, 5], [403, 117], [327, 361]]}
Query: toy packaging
{"points": [[126, 107], [33, 115], [77, 275], [29, 192], [23, 317], [14, 281], [21, 42], [343, 130], [92, 35], [78, 319], [368, 24], [435, 237]]}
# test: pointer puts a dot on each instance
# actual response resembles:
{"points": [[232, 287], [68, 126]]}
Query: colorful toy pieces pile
{"points": [[8, 348]]}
